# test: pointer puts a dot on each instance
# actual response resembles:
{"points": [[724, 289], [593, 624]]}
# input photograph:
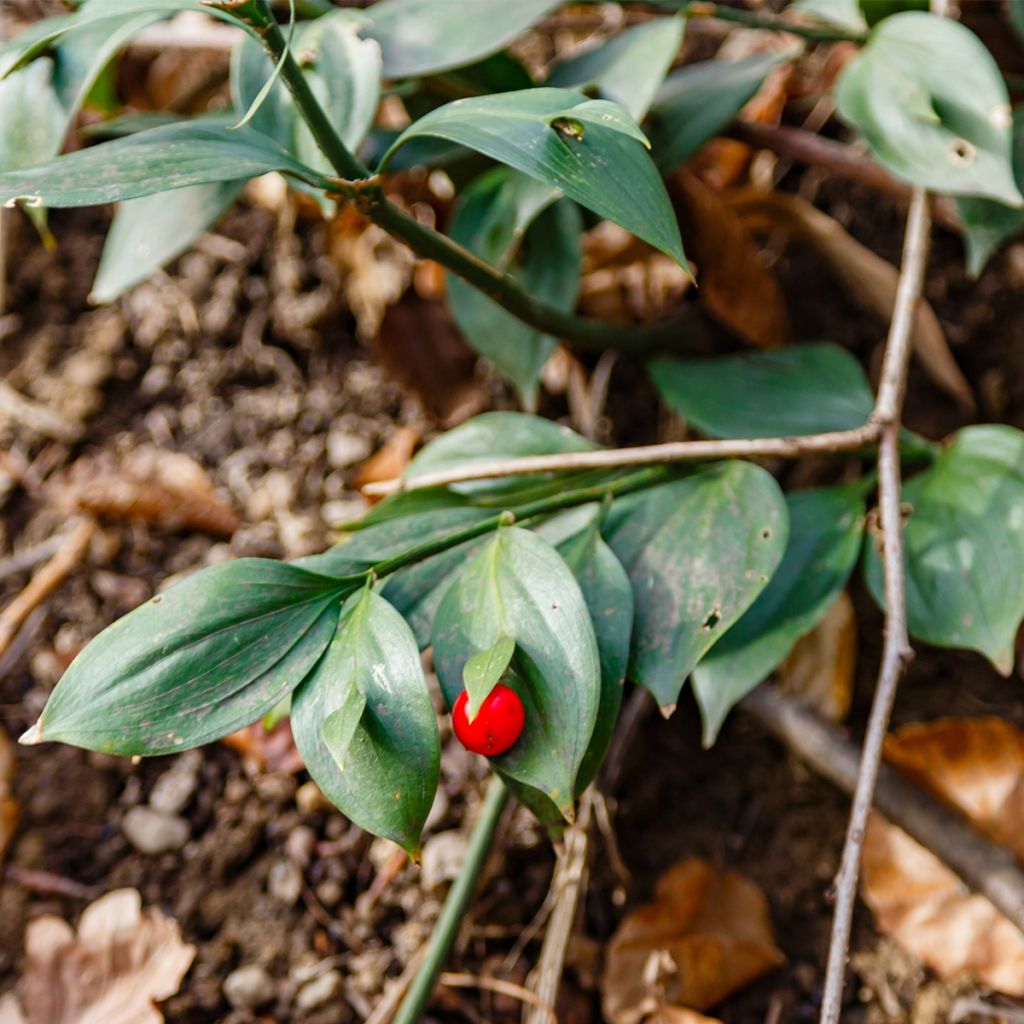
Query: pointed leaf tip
{"points": [[32, 736]]}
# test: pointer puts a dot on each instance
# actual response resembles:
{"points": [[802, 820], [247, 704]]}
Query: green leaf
{"points": [[930, 101], [698, 552], [211, 655], [628, 68], [494, 435], [845, 13], [344, 72], [875, 10], [501, 216], [340, 726], [563, 139], [420, 37], [251, 68], [825, 531], [986, 223], [192, 152], [32, 126], [379, 767], [147, 233], [519, 586], [964, 546], [806, 389], [699, 100], [484, 669], [576, 535]]}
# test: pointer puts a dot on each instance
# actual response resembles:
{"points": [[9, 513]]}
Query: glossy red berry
{"points": [[498, 724]]}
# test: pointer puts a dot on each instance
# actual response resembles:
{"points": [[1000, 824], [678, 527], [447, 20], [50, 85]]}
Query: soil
{"points": [[243, 356]]}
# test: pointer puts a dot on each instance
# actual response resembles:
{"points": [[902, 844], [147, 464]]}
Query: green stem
{"points": [[522, 513], [356, 183], [447, 927], [821, 33]]}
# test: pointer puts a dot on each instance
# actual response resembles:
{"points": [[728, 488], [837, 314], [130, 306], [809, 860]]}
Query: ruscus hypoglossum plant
{"points": [[559, 576]]}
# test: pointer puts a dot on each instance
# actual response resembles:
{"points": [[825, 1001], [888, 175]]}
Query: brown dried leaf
{"points": [[819, 670], [678, 1015], [705, 936], [871, 281], [10, 809], [977, 766], [733, 282], [120, 962], [420, 348], [388, 462], [165, 488], [271, 750]]}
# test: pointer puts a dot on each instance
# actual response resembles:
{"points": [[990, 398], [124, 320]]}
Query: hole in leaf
{"points": [[961, 152], [712, 620], [766, 533], [569, 127]]}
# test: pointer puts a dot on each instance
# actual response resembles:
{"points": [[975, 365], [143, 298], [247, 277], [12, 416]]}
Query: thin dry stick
{"points": [[502, 988], [896, 650], [45, 581], [984, 866], [569, 881]]}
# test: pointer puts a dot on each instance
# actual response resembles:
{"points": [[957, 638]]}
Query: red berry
{"points": [[498, 724]]}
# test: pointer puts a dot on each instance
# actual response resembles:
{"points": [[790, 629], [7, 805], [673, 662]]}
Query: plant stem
{"points": [[447, 927], [819, 33], [355, 183]]}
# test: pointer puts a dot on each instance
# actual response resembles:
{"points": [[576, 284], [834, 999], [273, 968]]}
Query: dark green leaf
{"points": [[988, 224], [698, 552], [964, 546], [484, 669], [930, 101], [32, 125], [276, 117], [192, 152], [147, 233], [875, 10], [628, 68], [420, 37], [825, 530], [502, 215], [391, 760], [699, 100], [570, 142], [209, 656], [806, 389], [519, 586]]}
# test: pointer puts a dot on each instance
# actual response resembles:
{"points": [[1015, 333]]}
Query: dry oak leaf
{"points": [[819, 670], [269, 750], [10, 809], [667, 1014], [389, 461], [121, 961], [168, 489], [711, 931], [977, 766]]}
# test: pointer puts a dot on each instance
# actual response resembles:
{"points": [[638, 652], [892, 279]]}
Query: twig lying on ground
{"points": [[503, 988], [45, 581], [985, 867]]}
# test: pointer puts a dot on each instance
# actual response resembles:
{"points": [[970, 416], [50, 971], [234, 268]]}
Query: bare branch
{"points": [[896, 651]]}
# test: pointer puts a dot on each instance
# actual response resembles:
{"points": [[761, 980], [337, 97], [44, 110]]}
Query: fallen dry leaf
{"points": [[678, 1015], [819, 670], [870, 280], [120, 962], [420, 348], [977, 766], [271, 750], [704, 936], [10, 810], [168, 489], [734, 284], [388, 462]]}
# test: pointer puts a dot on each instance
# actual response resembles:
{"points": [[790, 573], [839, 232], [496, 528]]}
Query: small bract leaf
{"points": [[483, 670], [698, 552], [930, 101], [604, 169], [365, 726], [964, 546]]}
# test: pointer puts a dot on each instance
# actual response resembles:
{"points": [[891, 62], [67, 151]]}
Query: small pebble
{"points": [[443, 856], [322, 989], [284, 882], [329, 892], [173, 790], [300, 845], [344, 449], [248, 987], [152, 831], [310, 800]]}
